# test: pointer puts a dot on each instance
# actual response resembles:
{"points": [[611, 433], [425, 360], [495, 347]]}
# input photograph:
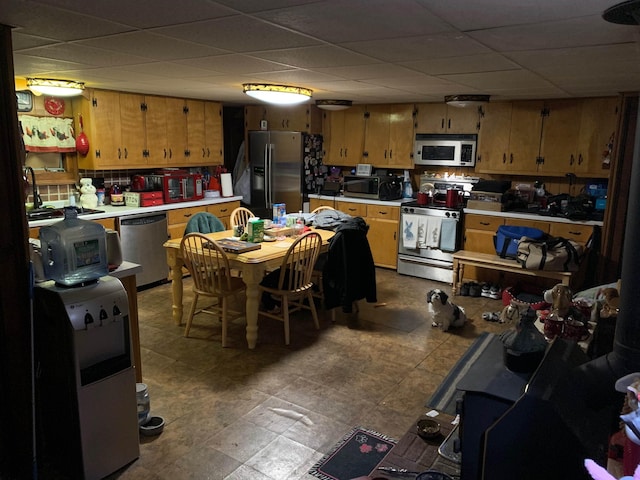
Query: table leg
{"points": [[175, 264], [252, 275], [454, 283]]}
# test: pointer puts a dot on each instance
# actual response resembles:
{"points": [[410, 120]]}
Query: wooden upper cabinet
{"points": [[114, 123], [560, 131], [293, 118], [213, 133], [493, 139], [598, 127], [195, 130], [157, 149], [343, 136], [388, 140], [524, 137], [441, 118], [176, 131]]}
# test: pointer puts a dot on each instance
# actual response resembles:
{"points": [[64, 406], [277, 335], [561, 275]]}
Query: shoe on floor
{"points": [[486, 290], [491, 316], [464, 290], [474, 289], [495, 292]]}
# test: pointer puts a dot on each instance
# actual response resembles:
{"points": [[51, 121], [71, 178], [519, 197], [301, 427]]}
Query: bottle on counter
{"points": [[298, 228]]}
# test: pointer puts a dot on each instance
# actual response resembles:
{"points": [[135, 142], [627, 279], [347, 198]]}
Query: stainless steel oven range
{"points": [[429, 236]]}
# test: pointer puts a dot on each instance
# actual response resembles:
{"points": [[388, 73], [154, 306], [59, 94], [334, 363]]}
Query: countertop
{"points": [[111, 211], [399, 202]]}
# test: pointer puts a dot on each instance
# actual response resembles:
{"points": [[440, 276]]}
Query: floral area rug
{"points": [[356, 455]]}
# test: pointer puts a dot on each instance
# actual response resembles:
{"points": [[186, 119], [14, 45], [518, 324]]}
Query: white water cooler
{"points": [[86, 409]]}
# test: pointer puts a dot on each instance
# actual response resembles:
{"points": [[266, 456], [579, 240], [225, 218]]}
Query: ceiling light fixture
{"points": [[277, 94], [55, 88], [465, 100], [333, 104]]}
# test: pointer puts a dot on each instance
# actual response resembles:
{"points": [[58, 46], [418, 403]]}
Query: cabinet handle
{"points": [[170, 153], [126, 153], [223, 210], [208, 152], [97, 153], [511, 158], [382, 213], [390, 153], [165, 153], [204, 153], [449, 124], [352, 209], [577, 234], [484, 223], [340, 152], [504, 158], [442, 124], [187, 215], [385, 153], [571, 159], [345, 153], [580, 159], [119, 154]]}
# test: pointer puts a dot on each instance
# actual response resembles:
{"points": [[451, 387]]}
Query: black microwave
{"points": [[373, 187]]}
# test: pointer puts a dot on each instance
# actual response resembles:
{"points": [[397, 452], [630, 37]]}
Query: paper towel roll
{"points": [[227, 185]]}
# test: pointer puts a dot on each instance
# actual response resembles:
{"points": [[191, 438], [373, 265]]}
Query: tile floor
{"points": [[272, 412]]}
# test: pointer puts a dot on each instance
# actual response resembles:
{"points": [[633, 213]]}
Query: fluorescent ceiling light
{"points": [[277, 94], [466, 100], [333, 104], [55, 88]]}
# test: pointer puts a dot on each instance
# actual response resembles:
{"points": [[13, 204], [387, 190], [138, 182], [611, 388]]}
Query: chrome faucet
{"points": [[37, 201]]}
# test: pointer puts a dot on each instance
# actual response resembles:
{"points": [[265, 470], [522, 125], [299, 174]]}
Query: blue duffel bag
{"points": [[508, 236]]}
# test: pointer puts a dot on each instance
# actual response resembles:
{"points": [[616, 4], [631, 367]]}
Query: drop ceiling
{"points": [[367, 51]]}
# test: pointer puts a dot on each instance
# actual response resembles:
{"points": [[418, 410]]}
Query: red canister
{"points": [[422, 198]]}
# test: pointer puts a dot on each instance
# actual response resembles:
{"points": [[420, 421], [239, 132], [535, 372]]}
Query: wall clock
{"points": [[25, 101], [54, 105]]}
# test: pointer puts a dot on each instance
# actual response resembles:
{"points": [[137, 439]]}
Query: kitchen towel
{"points": [[422, 231], [433, 232], [410, 230], [227, 185], [448, 234]]}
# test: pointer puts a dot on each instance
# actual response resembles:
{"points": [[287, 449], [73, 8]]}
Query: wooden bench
{"points": [[462, 258]]}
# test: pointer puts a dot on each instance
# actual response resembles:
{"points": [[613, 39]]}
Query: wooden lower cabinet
{"points": [[384, 222], [479, 231], [177, 219], [223, 211]]}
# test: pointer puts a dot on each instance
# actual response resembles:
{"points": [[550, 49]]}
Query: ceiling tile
{"points": [[86, 55], [316, 57], [465, 64], [236, 64]]}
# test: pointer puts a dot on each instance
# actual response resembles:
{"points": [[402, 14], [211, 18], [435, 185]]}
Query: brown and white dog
{"points": [[444, 313]]}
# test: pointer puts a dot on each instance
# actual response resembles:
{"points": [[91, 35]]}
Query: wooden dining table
{"points": [[253, 265]]}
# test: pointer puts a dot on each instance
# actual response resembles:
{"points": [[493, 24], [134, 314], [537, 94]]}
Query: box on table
{"points": [[143, 199], [486, 196], [255, 230], [485, 205]]}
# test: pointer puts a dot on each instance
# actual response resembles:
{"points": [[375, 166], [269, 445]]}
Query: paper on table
{"points": [[282, 244]]}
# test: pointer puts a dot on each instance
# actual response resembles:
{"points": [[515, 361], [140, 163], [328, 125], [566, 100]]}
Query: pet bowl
{"points": [[428, 428], [154, 426], [433, 475]]}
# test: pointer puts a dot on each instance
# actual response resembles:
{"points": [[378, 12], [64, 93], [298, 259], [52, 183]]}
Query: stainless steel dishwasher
{"points": [[142, 238]]}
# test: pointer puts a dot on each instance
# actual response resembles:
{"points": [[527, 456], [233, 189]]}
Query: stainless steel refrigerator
{"points": [[275, 160]]}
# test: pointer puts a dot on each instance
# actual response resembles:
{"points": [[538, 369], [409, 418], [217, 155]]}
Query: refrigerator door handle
{"points": [[267, 175]]}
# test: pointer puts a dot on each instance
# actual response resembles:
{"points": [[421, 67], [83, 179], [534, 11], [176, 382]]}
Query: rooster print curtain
{"points": [[48, 134]]}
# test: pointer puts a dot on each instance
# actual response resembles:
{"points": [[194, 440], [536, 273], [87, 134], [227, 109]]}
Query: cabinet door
{"points": [[196, 151], [493, 141], [431, 118], [223, 211], [524, 137], [176, 131], [288, 118], [253, 115], [156, 130], [101, 118], [352, 208], [376, 135], [353, 135], [333, 137], [479, 241], [571, 231], [132, 130], [598, 125], [213, 137], [383, 241], [521, 222], [401, 136], [560, 130], [463, 120]]}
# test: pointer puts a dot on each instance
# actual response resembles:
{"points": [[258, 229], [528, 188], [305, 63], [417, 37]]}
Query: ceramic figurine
{"points": [[88, 197]]}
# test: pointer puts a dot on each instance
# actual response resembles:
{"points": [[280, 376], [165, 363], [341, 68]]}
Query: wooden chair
{"points": [[241, 216], [321, 208], [209, 268], [294, 282]]}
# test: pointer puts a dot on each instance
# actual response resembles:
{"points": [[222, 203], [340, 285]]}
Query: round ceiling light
{"points": [[55, 88], [333, 104], [277, 94], [465, 100]]}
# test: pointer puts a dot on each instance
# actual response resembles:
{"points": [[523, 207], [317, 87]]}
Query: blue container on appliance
{"points": [[507, 237]]}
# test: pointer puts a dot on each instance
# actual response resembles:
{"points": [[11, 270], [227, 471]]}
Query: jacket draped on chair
{"points": [[349, 273]]}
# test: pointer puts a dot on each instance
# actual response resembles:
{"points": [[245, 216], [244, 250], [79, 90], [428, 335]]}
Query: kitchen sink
{"points": [[48, 213]]}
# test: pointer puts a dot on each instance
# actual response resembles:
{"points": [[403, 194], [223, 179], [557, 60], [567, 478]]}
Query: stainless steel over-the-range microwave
{"points": [[445, 150]]}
